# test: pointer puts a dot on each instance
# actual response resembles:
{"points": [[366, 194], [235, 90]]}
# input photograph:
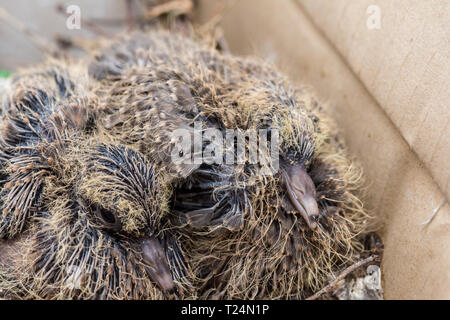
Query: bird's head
{"points": [[126, 200]]}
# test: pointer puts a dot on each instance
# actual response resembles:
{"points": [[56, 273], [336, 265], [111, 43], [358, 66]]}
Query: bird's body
{"points": [[226, 230], [245, 237]]}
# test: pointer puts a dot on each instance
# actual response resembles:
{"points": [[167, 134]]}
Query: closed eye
{"points": [[108, 219]]}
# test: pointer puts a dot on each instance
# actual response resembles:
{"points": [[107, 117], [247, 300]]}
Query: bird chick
{"points": [[247, 234], [82, 215]]}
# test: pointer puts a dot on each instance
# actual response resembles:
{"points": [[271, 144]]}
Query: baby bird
{"points": [[82, 215], [248, 234]]}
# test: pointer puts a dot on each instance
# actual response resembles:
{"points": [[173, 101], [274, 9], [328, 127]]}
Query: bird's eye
{"points": [[108, 218]]}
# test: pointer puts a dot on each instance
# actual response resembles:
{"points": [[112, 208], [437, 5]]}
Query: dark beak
{"points": [[157, 266], [302, 193]]}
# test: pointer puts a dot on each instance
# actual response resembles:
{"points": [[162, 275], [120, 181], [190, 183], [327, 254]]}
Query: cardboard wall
{"points": [[387, 117]]}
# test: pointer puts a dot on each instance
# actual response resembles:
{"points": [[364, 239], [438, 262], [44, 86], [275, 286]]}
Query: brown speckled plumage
{"points": [[245, 238], [228, 230]]}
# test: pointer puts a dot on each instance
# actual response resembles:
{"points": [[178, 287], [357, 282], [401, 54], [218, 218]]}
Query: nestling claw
{"points": [[302, 193]]}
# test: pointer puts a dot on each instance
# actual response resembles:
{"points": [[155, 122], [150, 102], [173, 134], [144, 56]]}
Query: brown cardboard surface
{"points": [[401, 191], [405, 64]]}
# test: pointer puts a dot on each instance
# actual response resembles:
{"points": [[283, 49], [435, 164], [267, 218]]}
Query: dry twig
{"points": [[129, 15], [178, 6]]}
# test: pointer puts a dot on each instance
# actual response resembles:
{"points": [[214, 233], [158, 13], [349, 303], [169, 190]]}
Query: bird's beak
{"points": [[302, 193], [157, 266]]}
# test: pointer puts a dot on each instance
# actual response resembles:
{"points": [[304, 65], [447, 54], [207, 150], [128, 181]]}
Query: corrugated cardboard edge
{"points": [[401, 192]]}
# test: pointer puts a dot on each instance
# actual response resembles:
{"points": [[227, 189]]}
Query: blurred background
{"points": [[45, 18]]}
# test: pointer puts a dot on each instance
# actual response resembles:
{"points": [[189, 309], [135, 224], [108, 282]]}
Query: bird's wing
{"points": [[40, 112]]}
